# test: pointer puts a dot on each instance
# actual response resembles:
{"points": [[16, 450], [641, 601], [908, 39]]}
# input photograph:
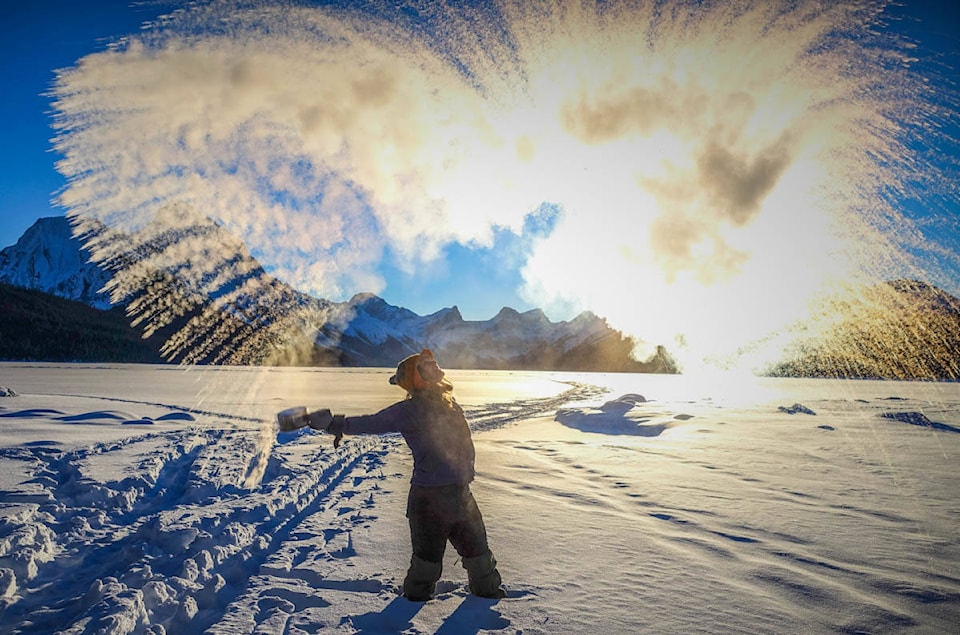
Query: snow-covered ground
{"points": [[144, 499]]}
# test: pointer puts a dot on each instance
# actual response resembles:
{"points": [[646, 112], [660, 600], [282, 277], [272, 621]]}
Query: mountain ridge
{"points": [[219, 306], [227, 291]]}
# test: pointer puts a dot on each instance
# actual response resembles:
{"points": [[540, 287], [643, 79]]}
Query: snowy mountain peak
{"points": [[448, 316], [511, 314], [49, 258], [371, 305], [364, 298]]}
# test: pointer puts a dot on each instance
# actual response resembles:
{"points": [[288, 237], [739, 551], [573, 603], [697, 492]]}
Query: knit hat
{"points": [[407, 375]]}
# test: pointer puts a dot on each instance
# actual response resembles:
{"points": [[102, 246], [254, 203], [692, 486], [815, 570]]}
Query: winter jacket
{"points": [[438, 436]]}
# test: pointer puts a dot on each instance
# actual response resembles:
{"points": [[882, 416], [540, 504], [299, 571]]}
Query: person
{"points": [[440, 505]]}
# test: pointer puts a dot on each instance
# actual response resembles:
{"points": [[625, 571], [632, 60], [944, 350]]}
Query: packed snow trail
{"points": [[173, 543]]}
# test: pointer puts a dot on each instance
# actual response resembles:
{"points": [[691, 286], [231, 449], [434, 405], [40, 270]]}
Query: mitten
{"points": [[319, 419], [336, 429]]}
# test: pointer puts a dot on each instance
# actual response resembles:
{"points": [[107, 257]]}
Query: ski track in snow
{"points": [[175, 543], [177, 409]]}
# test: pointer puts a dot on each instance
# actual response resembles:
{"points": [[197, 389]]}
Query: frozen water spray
{"points": [[723, 171]]}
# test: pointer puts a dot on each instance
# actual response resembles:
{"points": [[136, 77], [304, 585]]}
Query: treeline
{"points": [[37, 326], [902, 329]]}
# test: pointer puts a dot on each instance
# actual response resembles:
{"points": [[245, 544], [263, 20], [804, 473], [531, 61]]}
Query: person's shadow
{"points": [[470, 617], [396, 617]]}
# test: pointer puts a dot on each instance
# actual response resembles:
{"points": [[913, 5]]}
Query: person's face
{"points": [[430, 371]]}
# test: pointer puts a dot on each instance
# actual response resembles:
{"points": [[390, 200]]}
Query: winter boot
{"points": [[421, 580], [483, 576]]}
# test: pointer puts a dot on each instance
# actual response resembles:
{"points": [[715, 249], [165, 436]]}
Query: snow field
{"points": [[613, 504]]}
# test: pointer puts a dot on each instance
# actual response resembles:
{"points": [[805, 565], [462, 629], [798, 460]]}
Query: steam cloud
{"points": [[718, 166]]}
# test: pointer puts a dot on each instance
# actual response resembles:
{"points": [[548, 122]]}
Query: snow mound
{"points": [[99, 416], [96, 417], [620, 416], [623, 404], [796, 408], [32, 413], [176, 416], [919, 419]]}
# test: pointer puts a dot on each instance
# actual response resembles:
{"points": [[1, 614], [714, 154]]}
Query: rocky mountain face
{"points": [[48, 258], [190, 284]]}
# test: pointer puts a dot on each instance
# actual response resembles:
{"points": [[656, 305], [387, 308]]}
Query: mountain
{"points": [[49, 258], [193, 288], [378, 334], [197, 295]]}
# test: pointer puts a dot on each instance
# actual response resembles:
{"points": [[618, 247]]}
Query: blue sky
{"points": [[43, 35], [40, 37]]}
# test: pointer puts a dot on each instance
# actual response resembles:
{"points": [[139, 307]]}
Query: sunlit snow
{"points": [[139, 499]]}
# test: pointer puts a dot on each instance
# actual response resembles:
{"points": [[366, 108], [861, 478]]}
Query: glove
{"points": [[320, 419], [336, 426], [325, 421]]}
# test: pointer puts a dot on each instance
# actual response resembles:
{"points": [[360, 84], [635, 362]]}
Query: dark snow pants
{"points": [[436, 515]]}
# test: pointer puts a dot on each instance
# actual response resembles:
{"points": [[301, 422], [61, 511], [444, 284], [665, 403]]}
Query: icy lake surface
{"points": [[150, 499]]}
